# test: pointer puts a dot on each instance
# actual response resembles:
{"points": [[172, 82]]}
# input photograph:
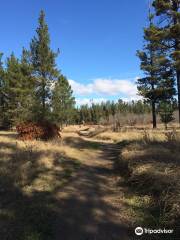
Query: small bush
{"points": [[146, 137], [40, 130], [171, 136]]}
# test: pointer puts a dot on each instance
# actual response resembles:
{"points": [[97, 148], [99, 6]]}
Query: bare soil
{"points": [[90, 205]]}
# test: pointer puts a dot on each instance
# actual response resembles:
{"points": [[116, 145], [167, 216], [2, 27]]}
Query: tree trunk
{"points": [[178, 90], [154, 114], [175, 6], [43, 97]]}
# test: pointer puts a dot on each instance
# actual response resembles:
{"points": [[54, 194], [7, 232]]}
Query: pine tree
{"points": [[107, 110], [44, 68], [27, 94], [12, 88], [3, 98], [158, 84], [113, 109], [168, 34], [85, 114], [166, 112], [18, 89], [63, 102], [95, 113], [1, 84]]}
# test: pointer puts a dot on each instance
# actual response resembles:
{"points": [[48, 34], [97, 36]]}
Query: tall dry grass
{"points": [[149, 163], [30, 175]]}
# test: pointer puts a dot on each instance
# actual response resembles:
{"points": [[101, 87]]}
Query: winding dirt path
{"points": [[89, 206]]}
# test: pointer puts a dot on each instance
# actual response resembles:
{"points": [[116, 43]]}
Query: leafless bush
{"points": [[171, 136], [146, 136]]}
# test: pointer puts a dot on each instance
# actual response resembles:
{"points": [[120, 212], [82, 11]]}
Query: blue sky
{"points": [[98, 40]]}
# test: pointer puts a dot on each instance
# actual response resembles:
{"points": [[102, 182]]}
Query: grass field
{"points": [[95, 188]]}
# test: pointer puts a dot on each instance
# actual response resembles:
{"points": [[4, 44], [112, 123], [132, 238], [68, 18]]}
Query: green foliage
{"points": [[13, 87], [44, 68], [158, 83], [27, 95], [31, 88], [63, 103], [18, 88], [4, 123], [95, 113], [166, 112], [168, 14]]}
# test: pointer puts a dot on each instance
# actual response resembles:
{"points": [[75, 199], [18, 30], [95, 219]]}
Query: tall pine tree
{"points": [[44, 68], [158, 84], [168, 12]]}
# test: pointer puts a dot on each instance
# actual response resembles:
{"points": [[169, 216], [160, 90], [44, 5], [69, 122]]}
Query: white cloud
{"points": [[103, 86], [114, 87], [134, 97], [80, 88], [89, 101]]}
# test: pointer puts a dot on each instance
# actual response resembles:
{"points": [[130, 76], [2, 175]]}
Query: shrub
{"points": [[166, 113], [40, 130]]}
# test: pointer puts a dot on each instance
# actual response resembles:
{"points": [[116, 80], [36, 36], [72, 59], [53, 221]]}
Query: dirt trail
{"points": [[89, 206]]}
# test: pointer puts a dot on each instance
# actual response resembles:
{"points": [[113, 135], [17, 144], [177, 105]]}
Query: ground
{"points": [[96, 188]]}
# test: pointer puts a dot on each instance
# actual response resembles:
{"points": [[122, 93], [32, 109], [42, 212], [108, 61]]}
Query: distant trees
{"points": [[102, 112], [158, 83]]}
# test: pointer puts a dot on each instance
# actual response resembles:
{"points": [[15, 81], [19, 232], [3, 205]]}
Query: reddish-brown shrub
{"points": [[40, 130]]}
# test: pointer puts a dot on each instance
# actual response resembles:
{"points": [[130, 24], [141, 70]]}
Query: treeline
{"points": [[120, 112], [160, 62], [160, 58], [103, 112], [32, 88]]}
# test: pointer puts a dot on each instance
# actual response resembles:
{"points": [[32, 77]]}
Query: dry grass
{"points": [[30, 175], [149, 162], [130, 134]]}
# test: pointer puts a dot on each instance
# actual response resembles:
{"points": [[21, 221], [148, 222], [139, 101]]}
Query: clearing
{"points": [[83, 188]]}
